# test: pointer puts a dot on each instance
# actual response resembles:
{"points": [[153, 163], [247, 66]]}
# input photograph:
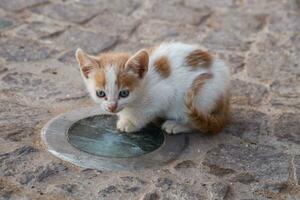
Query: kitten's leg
{"points": [[174, 127], [128, 122]]}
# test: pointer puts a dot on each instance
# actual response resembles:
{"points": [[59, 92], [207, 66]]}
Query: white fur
{"points": [[164, 97]]}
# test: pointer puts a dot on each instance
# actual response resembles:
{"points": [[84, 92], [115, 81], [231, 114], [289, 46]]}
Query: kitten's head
{"points": [[112, 79]]}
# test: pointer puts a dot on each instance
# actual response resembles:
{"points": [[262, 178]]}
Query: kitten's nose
{"points": [[112, 107]]}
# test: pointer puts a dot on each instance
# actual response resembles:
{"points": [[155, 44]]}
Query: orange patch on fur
{"points": [[212, 122], [100, 78], [199, 58], [127, 80], [115, 59], [162, 66]]}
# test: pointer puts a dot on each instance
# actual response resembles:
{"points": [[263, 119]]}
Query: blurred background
{"points": [[39, 79]]}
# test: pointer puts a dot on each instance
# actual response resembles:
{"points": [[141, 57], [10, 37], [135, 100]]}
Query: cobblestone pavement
{"points": [[256, 157]]}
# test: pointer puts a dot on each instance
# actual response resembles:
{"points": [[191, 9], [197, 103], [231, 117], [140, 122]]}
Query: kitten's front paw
{"points": [[126, 125], [173, 127]]}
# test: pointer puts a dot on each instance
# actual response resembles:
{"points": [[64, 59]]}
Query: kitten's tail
{"points": [[212, 122]]}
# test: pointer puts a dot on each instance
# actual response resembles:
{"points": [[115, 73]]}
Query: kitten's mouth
{"points": [[113, 111]]}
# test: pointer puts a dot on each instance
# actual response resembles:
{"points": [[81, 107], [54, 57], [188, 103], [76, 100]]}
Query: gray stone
{"points": [[226, 41], [90, 42], [40, 173], [39, 29], [281, 102], [108, 191], [122, 25], [297, 168], [69, 12], [269, 6], [17, 158], [164, 183], [118, 190], [50, 170], [179, 189], [133, 180], [70, 188], [17, 121], [14, 49], [247, 93], [228, 32], [17, 5], [285, 22], [131, 46], [186, 164], [244, 178], [68, 58], [264, 162], [287, 128], [37, 81], [248, 125], [151, 196], [275, 188], [209, 3], [165, 11], [264, 64], [154, 31], [114, 6], [218, 191]]}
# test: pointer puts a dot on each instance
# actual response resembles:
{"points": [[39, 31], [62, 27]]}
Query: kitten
{"points": [[178, 82]]}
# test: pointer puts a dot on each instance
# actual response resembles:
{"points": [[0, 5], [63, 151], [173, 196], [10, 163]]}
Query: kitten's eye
{"points": [[124, 93], [100, 93]]}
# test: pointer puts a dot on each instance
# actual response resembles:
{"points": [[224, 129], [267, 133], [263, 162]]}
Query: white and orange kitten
{"points": [[178, 82]]}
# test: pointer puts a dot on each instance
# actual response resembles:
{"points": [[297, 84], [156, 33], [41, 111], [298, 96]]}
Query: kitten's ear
{"points": [[86, 62], [138, 63]]}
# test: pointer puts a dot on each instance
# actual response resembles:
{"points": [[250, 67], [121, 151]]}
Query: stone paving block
{"points": [[17, 5], [132, 46], [270, 6], [178, 189], [219, 191], [69, 12], [154, 32], [90, 42], [113, 24], [247, 93], [15, 160], [209, 3], [248, 125], [287, 128], [166, 11], [265, 162], [285, 103], [114, 6], [126, 186], [151, 196], [285, 22], [37, 81], [19, 125], [39, 29], [233, 31], [297, 166], [264, 64], [15, 49]]}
